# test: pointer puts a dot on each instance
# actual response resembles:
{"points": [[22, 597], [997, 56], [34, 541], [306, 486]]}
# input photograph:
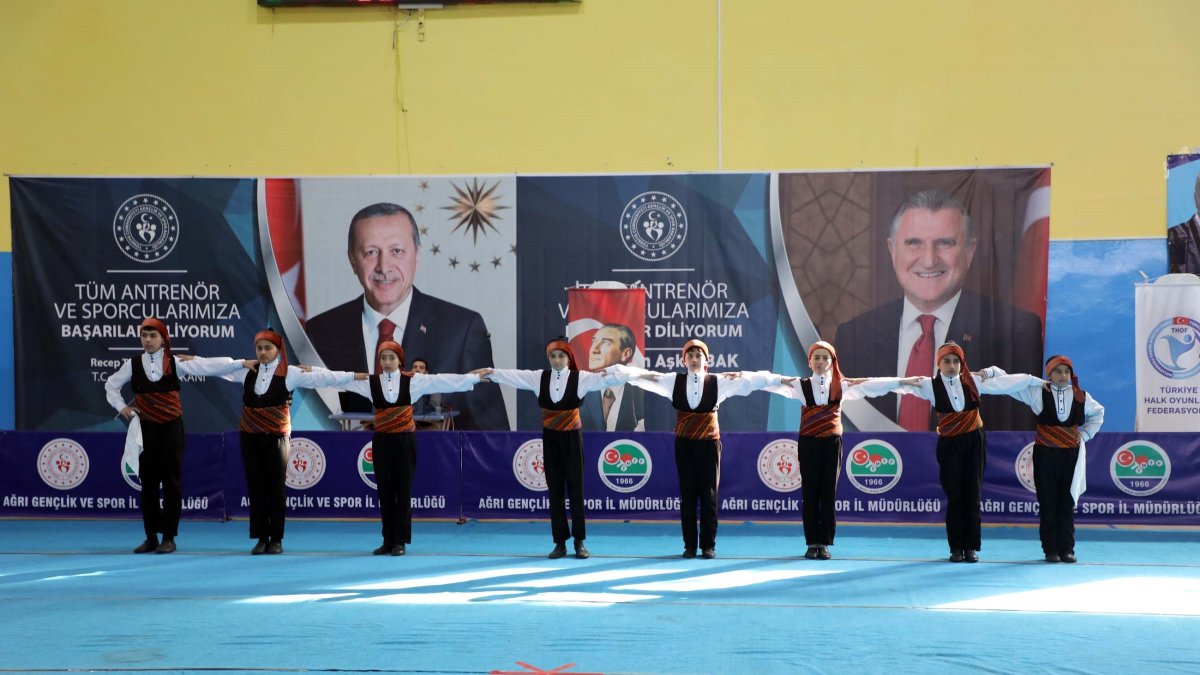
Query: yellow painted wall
{"points": [[1103, 89]]}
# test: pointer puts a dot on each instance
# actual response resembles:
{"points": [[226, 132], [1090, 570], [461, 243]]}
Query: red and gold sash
{"points": [[159, 406], [561, 420], [271, 420], [394, 420], [697, 426], [958, 423], [820, 421], [1054, 436]]}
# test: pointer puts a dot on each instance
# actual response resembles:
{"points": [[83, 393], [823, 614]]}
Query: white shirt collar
{"points": [[943, 313], [398, 316]]}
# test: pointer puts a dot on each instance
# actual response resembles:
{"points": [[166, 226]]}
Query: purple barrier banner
{"points": [[503, 476], [1133, 479], [332, 475], [82, 475]]}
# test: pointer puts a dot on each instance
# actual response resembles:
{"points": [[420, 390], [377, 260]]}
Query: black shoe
{"points": [[581, 551], [398, 549], [1052, 557], [811, 553], [708, 553], [689, 553], [1068, 557], [956, 556], [259, 548], [823, 553], [275, 547], [148, 546], [560, 551], [385, 549], [167, 546], [970, 556]]}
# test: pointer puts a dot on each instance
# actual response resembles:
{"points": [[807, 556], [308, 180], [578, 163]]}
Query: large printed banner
{"points": [[861, 256], [93, 257], [1143, 479], [1168, 360], [757, 265]]}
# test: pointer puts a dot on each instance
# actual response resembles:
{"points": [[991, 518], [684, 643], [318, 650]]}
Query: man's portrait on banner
{"points": [[892, 264]]}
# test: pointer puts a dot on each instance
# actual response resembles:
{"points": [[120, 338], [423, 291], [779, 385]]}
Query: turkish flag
{"points": [[287, 242], [1029, 288], [622, 310]]}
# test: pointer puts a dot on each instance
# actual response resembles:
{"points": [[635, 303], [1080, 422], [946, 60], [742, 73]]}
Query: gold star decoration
{"points": [[475, 208]]}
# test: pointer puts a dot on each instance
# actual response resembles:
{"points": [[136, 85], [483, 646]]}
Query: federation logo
{"points": [[305, 464], [1173, 347], [529, 466], [875, 466], [1140, 468], [653, 226], [132, 479], [625, 465], [366, 466], [1024, 468], [63, 463], [779, 467], [146, 228]]}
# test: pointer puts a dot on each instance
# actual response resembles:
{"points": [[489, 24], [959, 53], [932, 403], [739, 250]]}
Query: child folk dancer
{"points": [[394, 445], [265, 429], [1067, 417], [696, 396], [560, 390], [961, 445], [158, 410], [819, 446]]}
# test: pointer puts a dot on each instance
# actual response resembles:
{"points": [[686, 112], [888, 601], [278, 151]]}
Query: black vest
{"points": [[1049, 414], [570, 399], [810, 400], [708, 397], [380, 402], [277, 393], [941, 398], [142, 384]]}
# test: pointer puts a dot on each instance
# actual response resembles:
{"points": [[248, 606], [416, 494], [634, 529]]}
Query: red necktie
{"points": [[914, 411], [387, 331]]}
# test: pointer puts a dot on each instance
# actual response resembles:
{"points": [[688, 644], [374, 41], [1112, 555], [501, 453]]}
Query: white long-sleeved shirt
{"points": [[296, 377], [876, 386], [421, 384], [1028, 390], [531, 380], [152, 364], [954, 387], [663, 384]]}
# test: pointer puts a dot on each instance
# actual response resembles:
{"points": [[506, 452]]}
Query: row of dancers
{"points": [[1067, 417]]}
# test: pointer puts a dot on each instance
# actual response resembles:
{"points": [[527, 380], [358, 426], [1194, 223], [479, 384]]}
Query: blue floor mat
{"points": [[482, 598]]}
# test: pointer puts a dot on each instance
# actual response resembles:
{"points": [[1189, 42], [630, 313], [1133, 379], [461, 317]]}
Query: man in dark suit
{"points": [[1183, 242], [619, 408], [932, 245], [384, 247]]}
